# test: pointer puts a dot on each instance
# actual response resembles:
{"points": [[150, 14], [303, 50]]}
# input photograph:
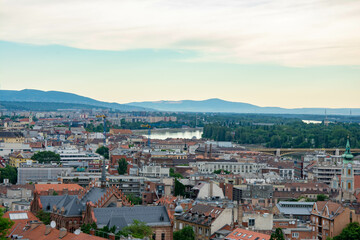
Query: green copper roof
{"points": [[347, 155]]}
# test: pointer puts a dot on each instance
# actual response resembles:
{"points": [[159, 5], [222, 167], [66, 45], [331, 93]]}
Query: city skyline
{"points": [[267, 53]]}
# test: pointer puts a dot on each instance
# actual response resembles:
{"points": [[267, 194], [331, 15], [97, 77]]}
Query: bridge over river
{"points": [[288, 151]]}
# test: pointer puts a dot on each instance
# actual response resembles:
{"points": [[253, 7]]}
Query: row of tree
{"points": [[289, 135]]}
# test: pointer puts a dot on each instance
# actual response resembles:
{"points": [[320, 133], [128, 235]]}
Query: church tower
{"points": [[347, 173]]}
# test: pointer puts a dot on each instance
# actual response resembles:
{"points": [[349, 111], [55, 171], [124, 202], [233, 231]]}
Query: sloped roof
{"points": [[239, 234], [295, 208], [57, 187], [124, 216]]}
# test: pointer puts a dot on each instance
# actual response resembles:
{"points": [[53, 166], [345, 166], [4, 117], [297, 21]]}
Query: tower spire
{"points": [[347, 155], [103, 172]]}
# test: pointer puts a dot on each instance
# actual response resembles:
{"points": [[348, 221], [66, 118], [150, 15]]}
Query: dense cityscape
{"points": [[105, 174], [180, 120]]}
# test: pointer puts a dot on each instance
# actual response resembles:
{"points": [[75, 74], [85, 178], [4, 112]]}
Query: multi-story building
{"points": [[298, 210], [329, 219], [234, 167], [41, 173], [154, 171], [17, 158], [12, 137], [204, 219]]}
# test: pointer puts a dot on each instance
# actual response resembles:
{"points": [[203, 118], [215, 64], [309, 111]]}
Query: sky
{"points": [[303, 53]]}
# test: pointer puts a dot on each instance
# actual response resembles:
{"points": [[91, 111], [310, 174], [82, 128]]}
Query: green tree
{"points": [[55, 193], [87, 227], [122, 168], [138, 230], [46, 157], [187, 233], [134, 199], [175, 175], [221, 170], [321, 197], [277, 235], [351, 231], [179, 189], [5, 225], [103, 151], [44, 217], [10, 173]]}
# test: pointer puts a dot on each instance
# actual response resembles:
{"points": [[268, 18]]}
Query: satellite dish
{"points": [[77, 232], [53, 224]]}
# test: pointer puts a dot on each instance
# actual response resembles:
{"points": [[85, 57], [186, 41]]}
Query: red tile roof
{"points": [[57, 187], [242, 234], [21, 228]]}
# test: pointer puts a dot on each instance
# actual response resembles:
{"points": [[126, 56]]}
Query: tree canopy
{"points": [[103, 151], [138, 230], [46, 157], [10, 173], [173, 174], [187, 233], [295, 134], [277, 235], [221, 170], [134, 199], [122, 168], [179, 189], [44, 217], [5, 225], [351, 231]]}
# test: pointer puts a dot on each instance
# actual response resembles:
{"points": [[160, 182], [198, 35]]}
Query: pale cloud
{"points": [[286, 32]]}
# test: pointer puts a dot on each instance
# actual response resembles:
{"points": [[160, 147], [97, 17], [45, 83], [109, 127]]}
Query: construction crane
{"points": [[103, 174], [149, 132]]}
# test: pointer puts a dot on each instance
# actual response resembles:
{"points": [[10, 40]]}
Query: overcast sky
{"points": [[303, 53]]}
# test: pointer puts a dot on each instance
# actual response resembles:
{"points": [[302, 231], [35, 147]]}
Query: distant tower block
{"points": [[278, 152]]}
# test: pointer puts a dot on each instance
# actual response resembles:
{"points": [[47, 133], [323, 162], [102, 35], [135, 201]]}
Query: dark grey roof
{"points": [[71, 204], [93, 195], [49, 201], [125, 216], [11, 134]]}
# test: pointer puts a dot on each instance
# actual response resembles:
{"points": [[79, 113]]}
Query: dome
{"points": [[179, 209]]}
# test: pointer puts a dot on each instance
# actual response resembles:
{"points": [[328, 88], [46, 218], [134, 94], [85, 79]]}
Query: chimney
{"points": [[47, 230], [34, 224], [211, 189], [205, 152], [240, 214], [62, 232], [92, 232], [210, 150], [111, 236]]}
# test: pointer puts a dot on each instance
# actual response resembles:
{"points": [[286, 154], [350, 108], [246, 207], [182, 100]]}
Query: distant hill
{"points": [[43, 106], [30, 95], [219, 105]]}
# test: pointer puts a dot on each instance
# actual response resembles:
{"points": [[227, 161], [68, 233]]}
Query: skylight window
{"points": [[17, 216]]}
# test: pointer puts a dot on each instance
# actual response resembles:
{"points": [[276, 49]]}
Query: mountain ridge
{"points": [[34, 95], [208, 105]]}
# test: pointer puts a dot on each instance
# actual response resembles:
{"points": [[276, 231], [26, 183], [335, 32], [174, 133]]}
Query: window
{"points": [[295, 234], [251, 222], [349, 185], [163, 236]]}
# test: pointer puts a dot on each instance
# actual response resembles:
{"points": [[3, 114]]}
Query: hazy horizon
{"points": [[289, 54]]}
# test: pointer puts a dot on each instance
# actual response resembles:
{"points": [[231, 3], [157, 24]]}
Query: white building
{"points": [[154, 171], [234, 167]]}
